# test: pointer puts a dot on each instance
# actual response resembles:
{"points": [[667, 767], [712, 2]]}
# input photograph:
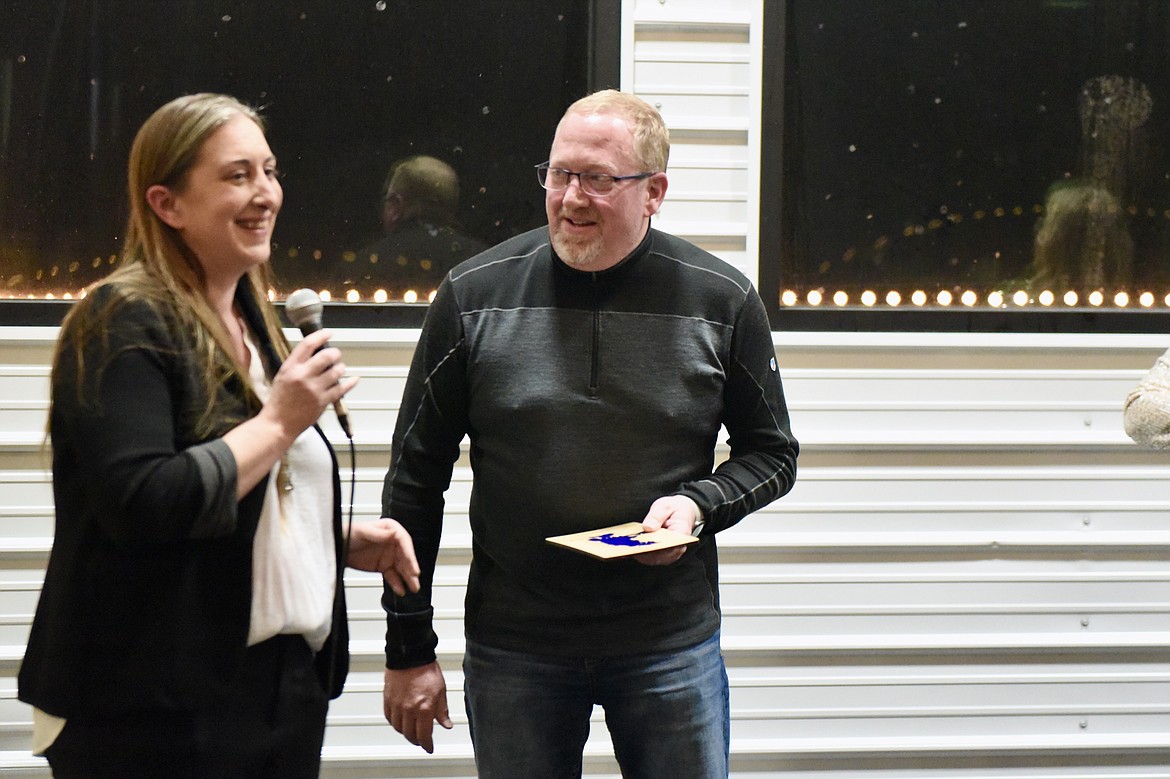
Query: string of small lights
{"points": [[970, 298], [795, 296]]}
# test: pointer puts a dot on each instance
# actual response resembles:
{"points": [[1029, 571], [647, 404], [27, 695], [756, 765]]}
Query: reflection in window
{"points": [[975, 154], [405, 131]]}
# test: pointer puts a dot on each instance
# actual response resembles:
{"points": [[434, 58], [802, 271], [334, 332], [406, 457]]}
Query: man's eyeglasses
{"points": [[595, 184]]}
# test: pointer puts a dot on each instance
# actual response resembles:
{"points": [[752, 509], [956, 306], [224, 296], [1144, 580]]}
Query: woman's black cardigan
{"points": [[147, 595]]}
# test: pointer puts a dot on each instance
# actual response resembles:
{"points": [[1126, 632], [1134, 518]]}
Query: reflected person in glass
{"points": [[423, 237]]}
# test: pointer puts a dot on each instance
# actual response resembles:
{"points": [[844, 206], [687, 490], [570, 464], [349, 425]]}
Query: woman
{"points": [[191, 622]]}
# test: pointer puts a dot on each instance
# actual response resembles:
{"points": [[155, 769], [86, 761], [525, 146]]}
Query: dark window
{"points": [[348, 91], [967, 165]]}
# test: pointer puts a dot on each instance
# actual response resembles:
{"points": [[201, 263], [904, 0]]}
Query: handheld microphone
{"points": [[304, 308]]}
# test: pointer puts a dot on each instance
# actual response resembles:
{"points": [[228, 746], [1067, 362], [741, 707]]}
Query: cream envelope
{"points": [[621, 540]]}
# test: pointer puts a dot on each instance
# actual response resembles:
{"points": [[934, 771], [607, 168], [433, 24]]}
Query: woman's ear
{"points": [[162, 201]]}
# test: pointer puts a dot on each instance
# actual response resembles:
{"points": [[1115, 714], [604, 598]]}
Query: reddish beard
{"points": [[576, 251]]}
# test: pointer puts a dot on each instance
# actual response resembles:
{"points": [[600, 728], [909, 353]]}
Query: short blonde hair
{"points": [[429, 187], [651, 138]]}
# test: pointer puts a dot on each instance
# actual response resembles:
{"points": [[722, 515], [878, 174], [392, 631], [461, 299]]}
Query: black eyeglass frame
{"points": [[543, 169]]}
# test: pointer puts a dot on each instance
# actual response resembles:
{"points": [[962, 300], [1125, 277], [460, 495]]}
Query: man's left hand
{"points": [[673, 512]]}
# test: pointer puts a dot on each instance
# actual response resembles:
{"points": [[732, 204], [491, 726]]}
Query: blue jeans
{"points": [[668, 714]]}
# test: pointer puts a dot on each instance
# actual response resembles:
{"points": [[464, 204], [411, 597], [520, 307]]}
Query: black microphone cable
{"points": [[304, 309], [352, 494], [339, 580]]}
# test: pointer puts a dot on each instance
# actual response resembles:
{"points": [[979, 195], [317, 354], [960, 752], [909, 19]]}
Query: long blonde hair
{"points": [[157, 268]]}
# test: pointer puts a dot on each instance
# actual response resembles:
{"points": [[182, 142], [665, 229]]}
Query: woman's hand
{"points": [[384, 546], [306, 384]]}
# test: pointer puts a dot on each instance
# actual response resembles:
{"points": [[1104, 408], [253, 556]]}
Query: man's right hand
{"points": [[413, 699]]}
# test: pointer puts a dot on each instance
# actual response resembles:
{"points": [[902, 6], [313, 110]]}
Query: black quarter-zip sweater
{"points": [[585, 397]]}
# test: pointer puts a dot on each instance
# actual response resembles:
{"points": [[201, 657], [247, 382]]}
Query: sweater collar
{"points": [[640, 251]]}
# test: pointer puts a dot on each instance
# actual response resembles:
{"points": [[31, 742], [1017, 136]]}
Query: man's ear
{"points": [[162, 201], [393, 210], [655, 193]]}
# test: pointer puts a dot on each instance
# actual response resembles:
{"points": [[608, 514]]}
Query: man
{"points": [[422, 238], [591, 364]]}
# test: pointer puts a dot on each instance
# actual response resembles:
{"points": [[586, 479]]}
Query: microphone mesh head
{"points": [[302, 307]]}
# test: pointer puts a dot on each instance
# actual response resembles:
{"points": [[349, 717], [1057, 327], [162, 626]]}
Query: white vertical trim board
{"points": [[699, 63]]}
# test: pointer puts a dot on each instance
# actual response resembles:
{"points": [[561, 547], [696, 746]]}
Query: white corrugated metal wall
{"points": [[971, 578]]}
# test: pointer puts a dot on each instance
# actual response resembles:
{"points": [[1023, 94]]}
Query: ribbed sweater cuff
{"points": [[410, 639]]}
